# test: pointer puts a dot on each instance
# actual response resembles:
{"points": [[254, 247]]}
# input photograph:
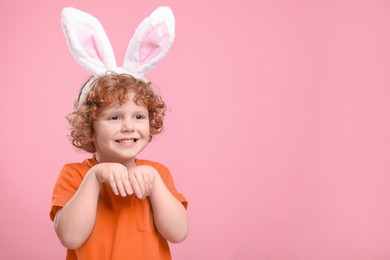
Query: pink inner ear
{"points": [[90, 43], [153, 43]]}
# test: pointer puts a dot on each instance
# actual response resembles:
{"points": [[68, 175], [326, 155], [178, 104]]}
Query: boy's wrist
{"points": [[157, 182], [92, 177]]}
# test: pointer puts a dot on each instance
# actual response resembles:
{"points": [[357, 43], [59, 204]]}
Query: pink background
{"points": [[277, 131]]}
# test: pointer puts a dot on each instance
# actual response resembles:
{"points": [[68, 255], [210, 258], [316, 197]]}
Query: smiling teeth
{"points": [[126, 141]]}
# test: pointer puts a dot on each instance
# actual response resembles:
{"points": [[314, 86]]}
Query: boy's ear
{"points": [[93, 136]]}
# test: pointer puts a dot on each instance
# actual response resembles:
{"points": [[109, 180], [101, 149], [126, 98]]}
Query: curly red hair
{"points": [[111, 90]]}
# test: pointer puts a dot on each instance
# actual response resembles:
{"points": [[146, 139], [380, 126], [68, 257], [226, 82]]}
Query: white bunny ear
{"points": [[88, 41], [151, 42]]}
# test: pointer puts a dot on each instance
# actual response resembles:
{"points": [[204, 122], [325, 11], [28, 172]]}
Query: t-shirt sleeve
{"points": [[67, 184], [168, 180]]}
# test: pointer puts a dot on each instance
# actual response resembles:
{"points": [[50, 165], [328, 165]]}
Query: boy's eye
{"points": [[139, 117], [114, 118]]}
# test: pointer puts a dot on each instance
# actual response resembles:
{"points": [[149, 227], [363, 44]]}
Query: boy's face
{"points": [[121, 132]]}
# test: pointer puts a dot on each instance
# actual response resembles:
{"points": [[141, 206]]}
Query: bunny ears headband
{"points": [[91, 48]]}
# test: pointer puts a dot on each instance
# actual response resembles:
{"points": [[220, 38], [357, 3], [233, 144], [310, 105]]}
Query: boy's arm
{"points": [[170, 216], [74, 222]]}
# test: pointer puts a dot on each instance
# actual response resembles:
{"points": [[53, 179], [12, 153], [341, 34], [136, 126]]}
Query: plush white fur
{"points": [[76, 22], [159, 16]]}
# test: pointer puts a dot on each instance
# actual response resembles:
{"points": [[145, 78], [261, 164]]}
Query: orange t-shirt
{"points": [[124, 227]]}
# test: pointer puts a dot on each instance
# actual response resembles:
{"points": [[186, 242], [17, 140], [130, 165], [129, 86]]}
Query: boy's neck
{"points": [[130, 164]]}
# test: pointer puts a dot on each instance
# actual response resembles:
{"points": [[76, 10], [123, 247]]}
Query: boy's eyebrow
{"points": [[140, 110], [110, 110]]}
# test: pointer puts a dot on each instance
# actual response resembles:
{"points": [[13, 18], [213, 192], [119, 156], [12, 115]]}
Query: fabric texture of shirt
{"points": [[124, 226]]}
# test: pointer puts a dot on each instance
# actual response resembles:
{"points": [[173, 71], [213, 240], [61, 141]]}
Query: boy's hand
{"points": [[117, 176], [142, 179]]}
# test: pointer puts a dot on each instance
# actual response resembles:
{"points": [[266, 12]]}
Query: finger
{"points": [[119, 184], [134, 185], [125, 181], [148, 184], [127, 185], [141, 183], [113, 186]]}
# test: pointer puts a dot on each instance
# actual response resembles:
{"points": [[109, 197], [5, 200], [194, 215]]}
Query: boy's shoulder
{"points": [[80, 167], [85, 163], [158, 166]]}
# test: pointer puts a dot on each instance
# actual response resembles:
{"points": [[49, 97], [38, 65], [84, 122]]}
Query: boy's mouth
{"points": [[126, 141]]}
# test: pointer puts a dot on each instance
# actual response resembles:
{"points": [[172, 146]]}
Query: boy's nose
{"points": [[127, 125]]}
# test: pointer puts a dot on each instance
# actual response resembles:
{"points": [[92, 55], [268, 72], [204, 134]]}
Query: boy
{"points": [[115, 206]]}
